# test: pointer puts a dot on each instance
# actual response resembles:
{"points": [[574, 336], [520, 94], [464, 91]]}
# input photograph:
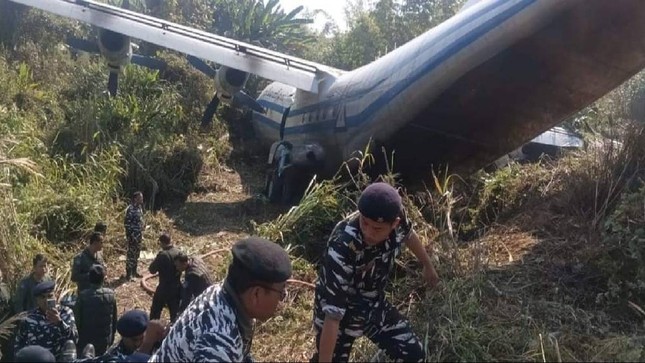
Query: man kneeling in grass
{"points": [[350, 291]]}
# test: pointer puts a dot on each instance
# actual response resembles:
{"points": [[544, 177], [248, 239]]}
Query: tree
{"points": [[263, 24]]}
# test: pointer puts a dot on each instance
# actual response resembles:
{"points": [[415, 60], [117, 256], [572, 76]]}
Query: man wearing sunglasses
{"points": [[218, 325]]}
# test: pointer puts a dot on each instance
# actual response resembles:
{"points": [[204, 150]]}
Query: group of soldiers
{"points": [[214, 321]]}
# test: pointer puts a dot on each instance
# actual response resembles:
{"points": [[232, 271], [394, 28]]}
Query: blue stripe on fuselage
{"points": [[374, 107]]}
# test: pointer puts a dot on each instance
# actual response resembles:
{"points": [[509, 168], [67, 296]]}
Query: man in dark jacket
{"points": [[196, 279], [169, 288], [82, 262], [96, 313], [24, 298]]}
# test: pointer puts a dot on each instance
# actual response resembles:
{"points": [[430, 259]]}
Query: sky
{"points": [[335, 8]]}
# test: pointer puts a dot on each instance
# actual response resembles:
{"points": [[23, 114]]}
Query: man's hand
{"points": [[155, 332], [430, 275], [53, 317]]}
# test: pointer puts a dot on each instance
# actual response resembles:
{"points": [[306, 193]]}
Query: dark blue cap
{"points": [[380, 202], [34, 353], [264, 260], [44, 287], [132, 324]]}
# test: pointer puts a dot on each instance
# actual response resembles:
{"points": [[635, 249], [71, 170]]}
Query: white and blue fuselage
{"points": [[378, 99]]}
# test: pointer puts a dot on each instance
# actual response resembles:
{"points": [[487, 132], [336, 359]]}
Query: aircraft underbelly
{"points": [[531, 86]]}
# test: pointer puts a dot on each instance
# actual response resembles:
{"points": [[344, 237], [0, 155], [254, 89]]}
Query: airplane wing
{"points": [[265, 63]]}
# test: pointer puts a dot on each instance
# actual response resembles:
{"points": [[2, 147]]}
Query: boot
{"points": [[89, 351]]}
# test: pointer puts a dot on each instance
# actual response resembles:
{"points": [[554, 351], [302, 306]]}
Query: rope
{"points": [[150, 290]]}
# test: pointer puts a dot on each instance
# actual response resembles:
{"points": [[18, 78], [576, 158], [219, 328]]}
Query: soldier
{"points": [[218, 324], [24, 298], [349, 299], [169, 287], [49, 325], [5, 299], [134, 233], [82, 262], [131, 326], [136, 347], [96, 313], [5, 312], [197, 278]]}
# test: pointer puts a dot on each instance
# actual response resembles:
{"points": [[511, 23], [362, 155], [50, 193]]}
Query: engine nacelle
{"points": [[228, 81], [116, 48]]}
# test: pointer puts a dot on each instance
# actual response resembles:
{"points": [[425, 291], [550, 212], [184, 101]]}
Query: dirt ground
{"points": [[220, 213]]}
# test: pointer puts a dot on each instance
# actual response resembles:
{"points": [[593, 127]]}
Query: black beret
{"points": [[44, 287], [263, 260], [132, 324], [380, 202], [97, 271], [34, 353]]}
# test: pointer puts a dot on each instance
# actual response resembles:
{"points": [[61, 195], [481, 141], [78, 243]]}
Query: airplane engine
{"points": [[116, 48], [228, 81]]}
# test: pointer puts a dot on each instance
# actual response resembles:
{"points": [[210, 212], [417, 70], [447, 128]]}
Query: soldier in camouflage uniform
{"points": [[197, 278], [350, 299], [169, 287], [5, 300], [131, 326], [134, 233], [134, 346], [5, 312], [48, 327], [218, 324], [96, 313], [82, 262], [24, 298]]}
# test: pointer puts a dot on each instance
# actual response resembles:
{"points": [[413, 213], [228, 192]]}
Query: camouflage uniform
{"points": [[81, 268], [196, 280], [5, 301], [118, 353], [133, 231], [24, 298], [5, 312], [350, 288], [169, 288], [212, 329], [34, 329]]}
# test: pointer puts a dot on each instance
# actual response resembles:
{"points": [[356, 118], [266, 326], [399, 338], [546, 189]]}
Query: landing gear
{"points": [[277, 186]]}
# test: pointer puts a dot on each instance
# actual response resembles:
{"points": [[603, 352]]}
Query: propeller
{"points": [[202, 66], [113, 82], [82, 44], [148, 62], [240, 98]]}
